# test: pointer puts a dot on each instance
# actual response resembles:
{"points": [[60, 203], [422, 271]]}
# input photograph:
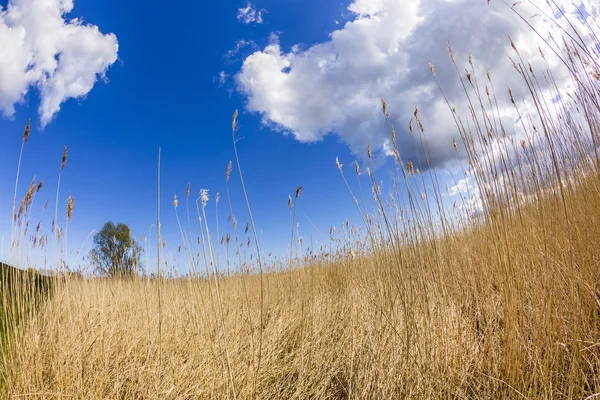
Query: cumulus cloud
{"points": [[335, 87], [40, 49], [250, 15]]}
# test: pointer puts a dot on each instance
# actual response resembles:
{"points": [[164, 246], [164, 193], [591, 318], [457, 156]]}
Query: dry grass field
{"points": [[497, 299]]}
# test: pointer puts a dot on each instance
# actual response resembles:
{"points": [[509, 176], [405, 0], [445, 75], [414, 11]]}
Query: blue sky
{"points": [[306, 76], [164, 91]]}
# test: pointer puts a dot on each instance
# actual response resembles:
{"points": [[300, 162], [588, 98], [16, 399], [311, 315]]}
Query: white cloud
{"points": [[334, 87], [250, 14], [39, 48], [239, 46], [463, 187], [222, 79]]}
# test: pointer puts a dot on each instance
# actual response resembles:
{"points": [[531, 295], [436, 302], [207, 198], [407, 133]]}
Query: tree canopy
{"points": [[115, 251]]}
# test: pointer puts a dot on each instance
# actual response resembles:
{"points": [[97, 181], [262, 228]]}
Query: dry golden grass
{"points": [[476, 314], [428, 302]]}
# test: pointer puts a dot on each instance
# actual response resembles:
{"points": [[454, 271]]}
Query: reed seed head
{"points": [[431, 68], [410, 167], [449, 47], [27, 131], [512, 44], [298, 191], [63, 162], [204, 197], [357, 168], [187, 191], [234, 124], [175, 202], [39, 186], [339, 165], [70, 207], [228, 172], [369, 153]]}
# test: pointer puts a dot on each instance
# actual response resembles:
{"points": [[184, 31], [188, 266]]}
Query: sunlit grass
{"points": [[496, 296]]}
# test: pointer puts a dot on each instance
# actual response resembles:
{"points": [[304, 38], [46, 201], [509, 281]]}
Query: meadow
{"points": [[495, 296]]}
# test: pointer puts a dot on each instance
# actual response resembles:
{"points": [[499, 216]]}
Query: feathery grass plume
{"points": [[338, 164], [289, 201], [228, 172], [449, 47], [63, 162], [298, 191], [512, 44], [39, 186], [217, 198], [410, 167], [175, 201], [418, 119], [70, 207], [454, 144], [27, 131], [369, 153], [187, 191], [512, 99], [204, 197], [357, 168], [234, 123], [431, 68], [26, 202]]}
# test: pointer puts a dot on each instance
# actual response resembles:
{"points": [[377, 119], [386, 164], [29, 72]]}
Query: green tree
{"points": [[115, 251]]}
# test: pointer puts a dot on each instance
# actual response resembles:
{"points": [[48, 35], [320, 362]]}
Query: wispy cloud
{"points": [[40, 48], [222, 78], [239, 45], [250, 15]]}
